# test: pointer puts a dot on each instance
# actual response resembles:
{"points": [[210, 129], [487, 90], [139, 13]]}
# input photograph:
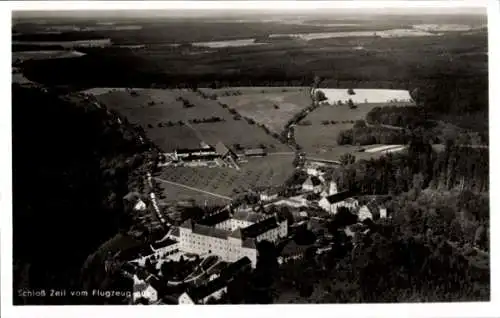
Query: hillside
{"points": [[72, 164]]}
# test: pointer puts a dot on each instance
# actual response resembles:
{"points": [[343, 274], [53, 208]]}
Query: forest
{"points": [[84, 163]]}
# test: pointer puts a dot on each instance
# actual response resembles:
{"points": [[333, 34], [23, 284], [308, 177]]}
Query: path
{"points": [[290, 153], [194, 189]]}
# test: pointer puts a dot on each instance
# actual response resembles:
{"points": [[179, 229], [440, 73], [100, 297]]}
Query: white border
{"points": [[392, 310]]}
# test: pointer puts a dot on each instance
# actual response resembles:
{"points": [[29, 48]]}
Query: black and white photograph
{"points": [[203, 155]]}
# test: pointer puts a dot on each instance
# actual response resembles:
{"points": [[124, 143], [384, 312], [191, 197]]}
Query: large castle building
{"points": [[231, 237]]}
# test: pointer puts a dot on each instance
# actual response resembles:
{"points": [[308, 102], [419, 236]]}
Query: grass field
{"points": [[321, 140], [270, 106], [152, 108], [174, 194], [257, 172]]}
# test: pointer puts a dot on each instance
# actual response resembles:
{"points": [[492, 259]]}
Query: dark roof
{"points": [[256, 229], [232, 269], [292, 248], [236, 233], [210, 231], [220, 282], [188, 224], [215, 218], [248, 216], [175, 232], [187, 150], [221, 149], [135, 252], [200, 292], [256, 151], [341, 196], [163, 243], [249, 243], [315, 181]]}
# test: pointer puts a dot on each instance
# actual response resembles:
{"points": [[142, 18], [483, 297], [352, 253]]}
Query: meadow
{"points": [[160, 111], [270, 106], [317, 135]]}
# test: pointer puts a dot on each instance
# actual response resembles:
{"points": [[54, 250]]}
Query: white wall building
{"points": [[312, 183], [219, 235], [142, 289], [333, 202], [331, 190]]}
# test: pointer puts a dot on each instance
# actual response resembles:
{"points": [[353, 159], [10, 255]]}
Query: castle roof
{"points": [[210, 231], [248, 216], [215, 218]]}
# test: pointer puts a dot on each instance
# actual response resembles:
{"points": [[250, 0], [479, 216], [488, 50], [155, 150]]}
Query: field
{"points": [[174, 194], [366, 95], [270, 106], [257, 172], [159, 112], [320, 140]]}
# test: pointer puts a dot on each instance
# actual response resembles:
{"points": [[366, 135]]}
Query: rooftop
{"points": [[215, 218], [221, 149], [163, 243], [341, 196], [256, 229], [187, 150], [210, 231], [313, 180], [248, 216]]}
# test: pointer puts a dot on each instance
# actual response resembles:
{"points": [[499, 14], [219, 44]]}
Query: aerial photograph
{"points": [[164, 157]]}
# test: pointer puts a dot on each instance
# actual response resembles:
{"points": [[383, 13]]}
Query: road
{"points": [[290, 153], [194, 189]]}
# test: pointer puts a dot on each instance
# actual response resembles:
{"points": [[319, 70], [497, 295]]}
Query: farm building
{"points": [[256, 152], [195, 154], [224, 152], [312, 183], [269, 194], [332, 202]]}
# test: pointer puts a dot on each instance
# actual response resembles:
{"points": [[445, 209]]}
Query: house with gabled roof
{"points": [[214, 288], [312, 183], [332, 202]]}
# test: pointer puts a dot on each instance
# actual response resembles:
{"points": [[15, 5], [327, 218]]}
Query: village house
{"points": [[330, 190], [293, 202], [143, 289], [269, 195], [214, 288], [312, 183], [292, 251], [134, 199], [331, 203], [371, 211]]}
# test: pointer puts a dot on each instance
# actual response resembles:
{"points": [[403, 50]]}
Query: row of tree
{"points": [[373, 135]]}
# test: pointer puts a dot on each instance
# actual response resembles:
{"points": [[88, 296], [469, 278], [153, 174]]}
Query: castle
{"points": [[231, 236]]}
